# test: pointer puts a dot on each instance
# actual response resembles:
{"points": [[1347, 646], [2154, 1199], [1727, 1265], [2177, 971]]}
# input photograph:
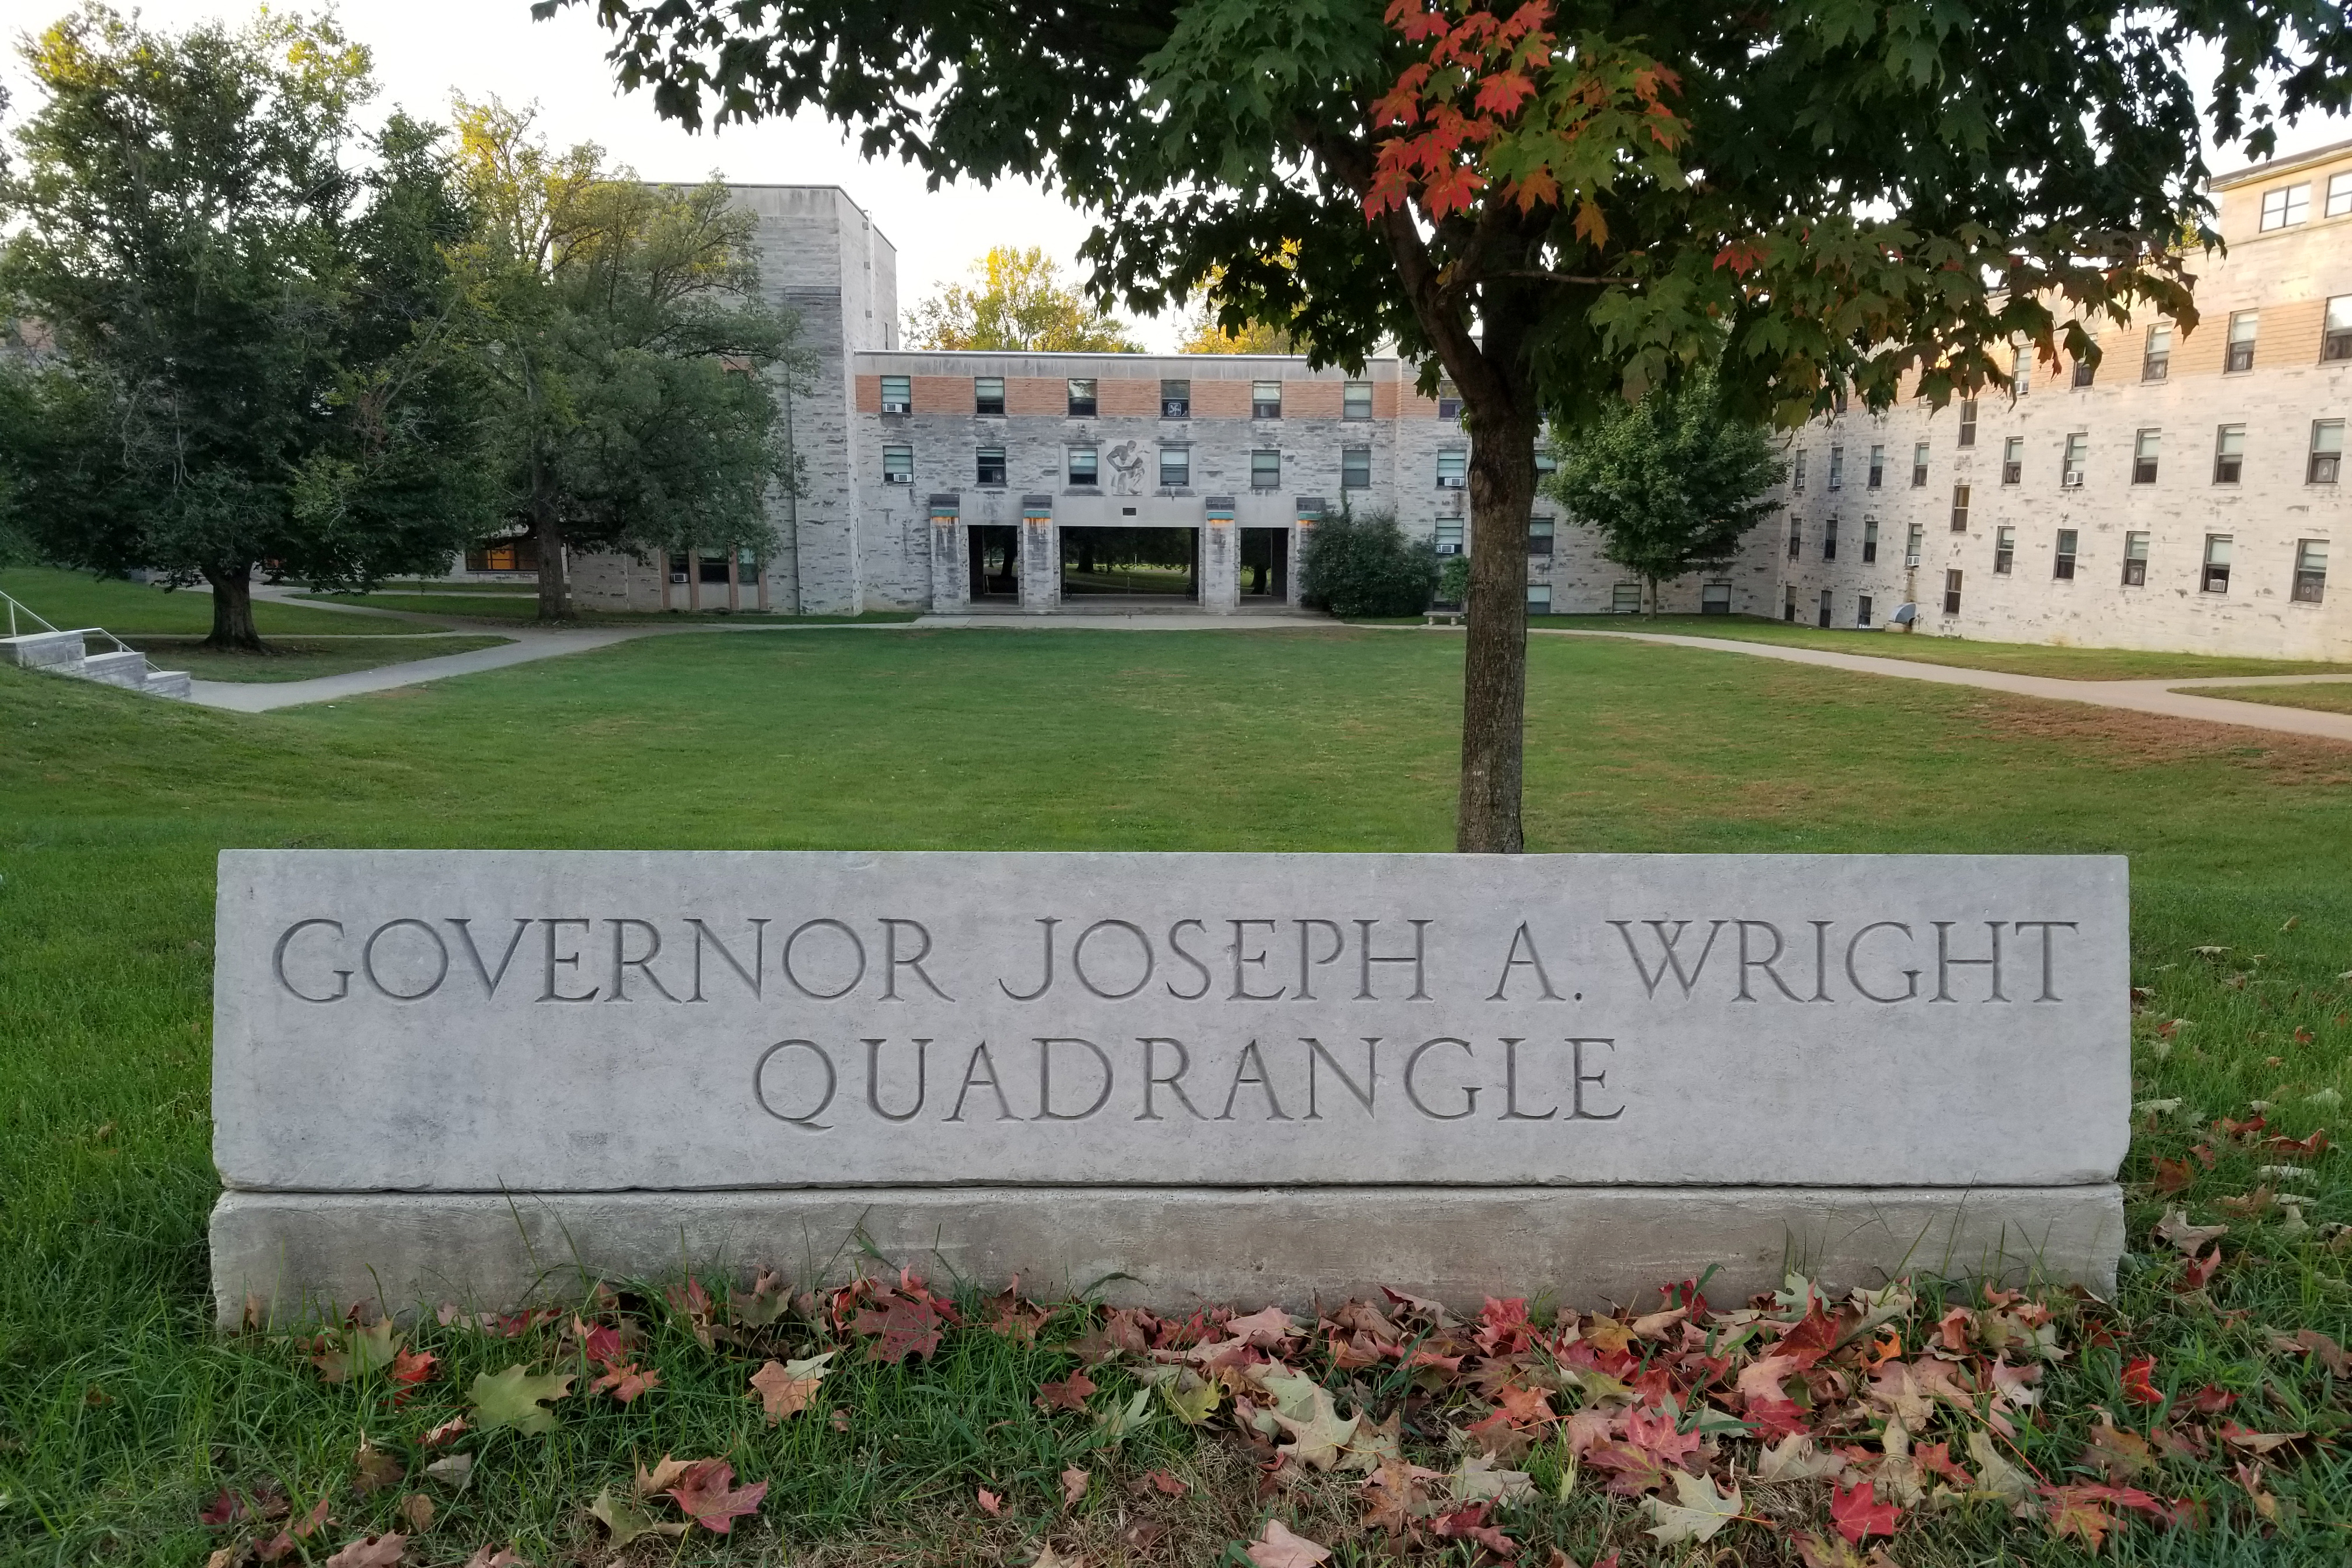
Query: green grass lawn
{"points": [[299, 658], [2327, 696], [69, 600], [2018, 658], [509, 607], [122, 1414]]}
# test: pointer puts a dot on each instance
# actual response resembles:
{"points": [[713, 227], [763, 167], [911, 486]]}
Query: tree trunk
{"points": [[233, 608], [1494, 663], [1652, 614], [547, 528]]}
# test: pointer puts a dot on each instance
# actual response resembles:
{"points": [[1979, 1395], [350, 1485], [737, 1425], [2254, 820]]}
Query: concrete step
{"points": [[168, 683], [125, 668], [60, 652]]}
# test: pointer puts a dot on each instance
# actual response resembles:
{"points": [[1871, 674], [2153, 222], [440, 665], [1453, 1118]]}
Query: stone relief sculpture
{"points": [[1127, 469]]}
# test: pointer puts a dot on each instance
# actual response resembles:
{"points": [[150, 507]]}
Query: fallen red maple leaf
{"points": [[1856, 1512], [901, 1327], [226, 1509], [625, 1383], [2211, 1400], [1069, 1394], [2172, 1176], [707, 1494], [2137, 1386], [990, 1503], [1470, 1524]]}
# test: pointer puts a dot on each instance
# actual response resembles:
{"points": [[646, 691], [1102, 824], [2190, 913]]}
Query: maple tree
{"points": [[1016, 301], [1555, 211]]}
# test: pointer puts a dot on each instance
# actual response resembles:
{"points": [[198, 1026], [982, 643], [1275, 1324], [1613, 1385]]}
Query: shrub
{"points": [[1454, 580], [1366, 566]]}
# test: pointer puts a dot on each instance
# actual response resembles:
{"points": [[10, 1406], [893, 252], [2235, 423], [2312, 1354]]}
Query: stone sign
{"points": [[475, 1074]]}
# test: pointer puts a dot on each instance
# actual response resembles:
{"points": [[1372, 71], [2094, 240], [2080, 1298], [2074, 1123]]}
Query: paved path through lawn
{"points": [[2158, 697]]}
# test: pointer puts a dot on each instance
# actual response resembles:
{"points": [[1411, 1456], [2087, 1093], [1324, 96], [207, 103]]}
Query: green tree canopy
{"points": [[1016, 301], [1672, 484], [636, 371], [249, 364], [1559, 205]]}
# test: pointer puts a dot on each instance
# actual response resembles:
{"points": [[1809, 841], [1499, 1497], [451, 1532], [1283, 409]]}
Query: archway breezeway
{"points": [[1134, 565]]}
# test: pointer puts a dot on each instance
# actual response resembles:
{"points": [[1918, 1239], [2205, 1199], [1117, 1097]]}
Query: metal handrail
{"points": [[16, 607]]}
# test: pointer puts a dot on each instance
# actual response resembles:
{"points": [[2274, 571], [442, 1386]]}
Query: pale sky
{"points": [[424, 49]]}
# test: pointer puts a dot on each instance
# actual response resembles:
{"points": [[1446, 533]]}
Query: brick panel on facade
{"points": [[1036, 395], [1128, 394], [1220, 398], [1316, 399], [869, 394], [941, 394]]}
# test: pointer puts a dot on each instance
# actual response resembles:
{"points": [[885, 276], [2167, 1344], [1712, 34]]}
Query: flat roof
{"points": [[2269, 168]]}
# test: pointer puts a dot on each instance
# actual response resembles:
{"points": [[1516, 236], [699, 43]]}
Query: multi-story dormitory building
{"points": [[2185, 496]]}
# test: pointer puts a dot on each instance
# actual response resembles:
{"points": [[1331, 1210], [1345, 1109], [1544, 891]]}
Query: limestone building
{"points": [[2186, 495]]}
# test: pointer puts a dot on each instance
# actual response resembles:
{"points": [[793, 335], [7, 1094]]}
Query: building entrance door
{"points": [[1131, 563], [1266, 565], [994, 556]]}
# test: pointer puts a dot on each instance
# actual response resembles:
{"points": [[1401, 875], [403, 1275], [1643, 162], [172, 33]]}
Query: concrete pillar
{"points": [[950, 556], [1041, 557], [1219, 558], [1300, 531]]}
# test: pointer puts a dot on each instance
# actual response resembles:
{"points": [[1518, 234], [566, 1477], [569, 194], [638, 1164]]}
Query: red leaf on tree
{"points": [[1503, 93], [2137, 1386], [1536, 187], [707, 1494], [1741, 256], [1856, 1512], [1451, 189]]}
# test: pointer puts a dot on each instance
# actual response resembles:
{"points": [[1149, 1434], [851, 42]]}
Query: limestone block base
{"points": [[295, 1253]]}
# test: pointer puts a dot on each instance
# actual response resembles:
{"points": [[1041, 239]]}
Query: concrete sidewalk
{"points": [[2156, 697], [262, 696]]}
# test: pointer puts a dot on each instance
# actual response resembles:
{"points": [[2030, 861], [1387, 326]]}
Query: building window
{"points": [[1837, 398], [1546, 466], [1266, 400], [1797, 475], [1175, 467], [1959, 509], [1085, 465], [2240, 352], [988, 468], [1356, 400], [1823, 620], [1266, 470], [897, 465], [2157, 359], [680, 566], [1877, 468], [1449, 536], [1862, 610], [2135, 560], [1796, 539], [1082, 397], [1626, 599], [1968, 422], [1175, 400], [2217, 564], [1837, 468], [2336, 335], [1539, 598], [506, 555], [2144, 456], [2004, 551], [2229, 454], [2326, 451], [1912, 539], [897, 395], [1355, 467], [2339, 195], [1952, 591], [2087, 369], [2021, 371], [1869, 541], [1452, 470], [1788, 601], [1715, 599], [1540, 536], [2061, 564], [2012, 460], [1829, 540], [2078, 456], [1449, 400], [988, 395], [2310, 570], [2285, 206], [712, 570], [1919, 467]]}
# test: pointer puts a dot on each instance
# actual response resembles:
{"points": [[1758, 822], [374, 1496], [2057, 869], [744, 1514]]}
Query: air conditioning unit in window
{"points": [[1449, 481], [2071, 481], [897, 407], [897, 479], [1449, 547]]}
